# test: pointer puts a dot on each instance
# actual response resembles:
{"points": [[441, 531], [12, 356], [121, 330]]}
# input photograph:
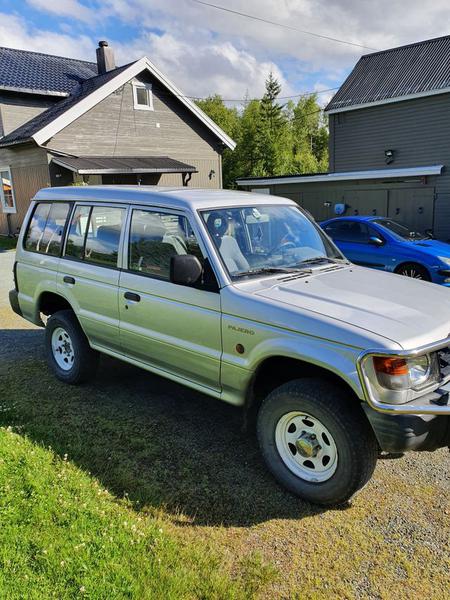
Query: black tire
{"points": [[357, 449], [85, 360], [413, 270]]}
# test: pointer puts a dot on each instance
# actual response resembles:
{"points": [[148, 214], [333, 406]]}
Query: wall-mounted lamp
{"points": [[212, 174], [389, 156]]}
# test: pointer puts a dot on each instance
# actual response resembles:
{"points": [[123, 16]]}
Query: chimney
{"points": [[105, 58]]}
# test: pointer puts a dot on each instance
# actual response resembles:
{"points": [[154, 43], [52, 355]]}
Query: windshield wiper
{"points": [[270, 270], [321, 259]]}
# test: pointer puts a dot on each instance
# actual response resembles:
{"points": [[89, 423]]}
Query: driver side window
{"points": [[155, 237]]}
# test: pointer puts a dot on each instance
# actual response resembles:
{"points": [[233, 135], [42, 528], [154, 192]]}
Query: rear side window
{"points": [[348, 231], [46, 228], [94, 234]]}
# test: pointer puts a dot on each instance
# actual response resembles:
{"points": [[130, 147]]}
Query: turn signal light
{"points": [[390, 365]]}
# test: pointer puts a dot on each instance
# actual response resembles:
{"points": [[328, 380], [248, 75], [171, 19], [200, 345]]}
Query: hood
{"points": [[433, 247], [409, 312]]}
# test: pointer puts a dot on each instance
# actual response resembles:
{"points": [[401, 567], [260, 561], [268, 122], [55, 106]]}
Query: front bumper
{"points": [[14, 302], [401, 433], [423, 423]]}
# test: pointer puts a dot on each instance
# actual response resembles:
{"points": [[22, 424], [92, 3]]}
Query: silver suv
{"points": [[243, 297]]}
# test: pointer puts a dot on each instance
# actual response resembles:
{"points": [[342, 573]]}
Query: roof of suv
{"points": [[182, 197]]}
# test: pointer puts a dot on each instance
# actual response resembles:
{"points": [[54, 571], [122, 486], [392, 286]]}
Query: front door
{"points": [[169, 327]]}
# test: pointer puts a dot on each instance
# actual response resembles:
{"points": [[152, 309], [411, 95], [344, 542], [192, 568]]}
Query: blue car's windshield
{"points": [[400, 230]]}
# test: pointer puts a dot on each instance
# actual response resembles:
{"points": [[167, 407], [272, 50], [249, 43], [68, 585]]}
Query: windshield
{"points": [[256, 239], [400, 229]]}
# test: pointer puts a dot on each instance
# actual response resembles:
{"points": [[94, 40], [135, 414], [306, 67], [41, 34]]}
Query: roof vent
{"points": [[105, 58]]}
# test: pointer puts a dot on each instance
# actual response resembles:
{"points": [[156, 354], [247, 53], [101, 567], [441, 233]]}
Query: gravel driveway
{"points": [[184, 456]]}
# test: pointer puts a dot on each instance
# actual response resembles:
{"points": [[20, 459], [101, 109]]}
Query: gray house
{"points": [[389, 149], [65, 122]]}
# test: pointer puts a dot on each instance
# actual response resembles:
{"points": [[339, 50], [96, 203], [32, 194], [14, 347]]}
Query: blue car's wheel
{"points": [[413, 270]]}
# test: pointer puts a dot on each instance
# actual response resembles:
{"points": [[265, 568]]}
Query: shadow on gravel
{"points": [[161, 444]]}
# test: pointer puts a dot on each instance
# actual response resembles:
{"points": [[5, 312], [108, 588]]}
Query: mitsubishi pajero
{"points": [[243, 297]]}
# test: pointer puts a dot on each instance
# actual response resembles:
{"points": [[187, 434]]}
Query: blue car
{"points": [[387, 245]]}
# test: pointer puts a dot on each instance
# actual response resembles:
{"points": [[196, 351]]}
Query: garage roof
{"points": [[402, 73], [346, 176]]}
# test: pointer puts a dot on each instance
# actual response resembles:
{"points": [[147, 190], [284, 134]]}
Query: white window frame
{"points": [[12, 210], [145, 86]]}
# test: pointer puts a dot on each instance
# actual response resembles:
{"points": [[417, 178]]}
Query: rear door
{"points": [[169, 327], [88, 273]]}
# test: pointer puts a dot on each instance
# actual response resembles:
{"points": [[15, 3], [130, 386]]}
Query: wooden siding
{"points": [[417, 130], [17, 109], [29, 172], [114, 128]]}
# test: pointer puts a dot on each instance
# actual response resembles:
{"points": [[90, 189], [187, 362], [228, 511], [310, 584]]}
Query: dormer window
{"points": [[142, 96]]}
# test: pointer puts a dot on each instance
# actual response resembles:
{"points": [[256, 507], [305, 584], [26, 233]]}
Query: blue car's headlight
{"points": [[444, 259]]}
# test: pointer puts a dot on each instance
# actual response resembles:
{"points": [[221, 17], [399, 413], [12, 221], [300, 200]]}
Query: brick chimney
{"points": [[105, 58]]}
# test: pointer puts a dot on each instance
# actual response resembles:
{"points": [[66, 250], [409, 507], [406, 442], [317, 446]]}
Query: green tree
{"points": [[273, 130], [229, 120], [309, 136], [271, 138]]}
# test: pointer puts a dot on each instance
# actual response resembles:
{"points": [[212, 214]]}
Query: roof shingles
{"points": [[28, 129], [42, 73], [405, 71]]}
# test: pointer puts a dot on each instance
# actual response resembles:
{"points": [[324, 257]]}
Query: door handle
{"points": [[68, 279], [132, 296]]}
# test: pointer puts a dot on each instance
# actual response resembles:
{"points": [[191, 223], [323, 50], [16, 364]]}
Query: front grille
{"points": [[444, 362]]}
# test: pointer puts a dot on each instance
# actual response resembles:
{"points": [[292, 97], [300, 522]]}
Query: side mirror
{"points": [[375, 240], [185, 269]]}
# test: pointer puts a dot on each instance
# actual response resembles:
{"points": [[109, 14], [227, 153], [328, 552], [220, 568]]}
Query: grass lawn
{"points": [[7, 243], [144, 454], [63, 535]]}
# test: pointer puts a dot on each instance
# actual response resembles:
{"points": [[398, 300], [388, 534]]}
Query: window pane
{"points": [[348, 231], [102, 243], [155, 238], [77, 232], [54, 228], [7, 194], [142, 96], [36, 228]]}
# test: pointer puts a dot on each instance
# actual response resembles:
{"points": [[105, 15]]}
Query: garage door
{"points": [[414, 207], [366, 202]]}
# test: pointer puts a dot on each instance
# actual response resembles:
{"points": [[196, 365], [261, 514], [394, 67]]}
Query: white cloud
{"points": [[15, 32], [64, 8], [206, 50], [204, 68]]}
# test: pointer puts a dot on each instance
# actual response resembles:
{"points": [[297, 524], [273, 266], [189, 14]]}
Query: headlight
{"points": [[396, 373], [444, 259]]}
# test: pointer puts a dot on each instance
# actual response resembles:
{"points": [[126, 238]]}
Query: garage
{"points": [[406, 195]]}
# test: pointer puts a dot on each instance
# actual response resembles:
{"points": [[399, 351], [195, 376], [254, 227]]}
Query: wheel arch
{"points": [[276, 370], [412, 262], [50, 302]]}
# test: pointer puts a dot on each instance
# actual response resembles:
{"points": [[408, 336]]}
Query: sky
{"points": [[206, 51]]}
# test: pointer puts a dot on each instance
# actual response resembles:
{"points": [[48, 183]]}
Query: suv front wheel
{"points": [[316, 441], [69, 355]]}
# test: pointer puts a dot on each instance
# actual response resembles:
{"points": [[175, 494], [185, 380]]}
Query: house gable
{"points": [[89, 101], [114, 127]]}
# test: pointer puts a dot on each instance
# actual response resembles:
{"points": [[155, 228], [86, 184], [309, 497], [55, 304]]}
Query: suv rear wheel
{"points": [[68, 353], [316, 442]]}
